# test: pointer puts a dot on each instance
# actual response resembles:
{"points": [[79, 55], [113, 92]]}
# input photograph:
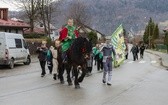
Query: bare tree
{"points": [[78, 11], [37, 10], [46, 11], [31, 8]]}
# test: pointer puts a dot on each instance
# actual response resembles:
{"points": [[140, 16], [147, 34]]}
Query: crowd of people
{"points": [[137, 49], [101, 54]]}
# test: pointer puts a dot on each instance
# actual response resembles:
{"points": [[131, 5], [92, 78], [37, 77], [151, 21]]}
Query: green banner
{"points": [[119, 45]]}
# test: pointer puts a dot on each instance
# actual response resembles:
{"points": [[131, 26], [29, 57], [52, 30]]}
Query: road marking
{"points": [[153, 61], [142, 61], [130, 61]]}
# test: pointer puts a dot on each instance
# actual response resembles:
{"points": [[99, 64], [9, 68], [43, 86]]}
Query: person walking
{"points": [[137, 51], [42, 56], [142, 49], [89, 65], [134, 51], [126, 51], [49, 60], [108, 50], [99, 60], [55, 62], [95, 56]]}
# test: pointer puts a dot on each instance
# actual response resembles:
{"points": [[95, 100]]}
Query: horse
{"points": [[77, 55]]}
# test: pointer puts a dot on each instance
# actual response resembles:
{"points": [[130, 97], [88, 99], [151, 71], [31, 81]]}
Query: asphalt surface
{"points": [[143, 82]]}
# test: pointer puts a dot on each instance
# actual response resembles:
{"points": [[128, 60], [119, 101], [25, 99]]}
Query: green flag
{"points": [[119, 45]]}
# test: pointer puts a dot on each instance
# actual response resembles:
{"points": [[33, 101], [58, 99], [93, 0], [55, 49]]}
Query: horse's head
{"points": [[82, 47], [86, 48]]}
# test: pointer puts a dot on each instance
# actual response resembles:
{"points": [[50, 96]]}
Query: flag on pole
{"points": [[117, 40]]}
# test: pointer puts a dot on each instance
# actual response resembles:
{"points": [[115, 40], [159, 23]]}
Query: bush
{"points": [[93, 37]]}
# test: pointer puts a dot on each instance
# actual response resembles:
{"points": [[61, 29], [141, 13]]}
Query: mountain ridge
{"points": [[107, 15]]}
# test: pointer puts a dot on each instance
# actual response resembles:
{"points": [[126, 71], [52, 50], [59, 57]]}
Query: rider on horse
{"points": [[67, 36]]}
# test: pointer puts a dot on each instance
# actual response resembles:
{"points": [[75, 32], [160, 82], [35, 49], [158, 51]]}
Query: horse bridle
{"points": [[84, 53]]}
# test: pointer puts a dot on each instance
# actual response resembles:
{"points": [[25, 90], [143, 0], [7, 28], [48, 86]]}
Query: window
{"points": [[18, 43], [41, 25], [25, 44]]}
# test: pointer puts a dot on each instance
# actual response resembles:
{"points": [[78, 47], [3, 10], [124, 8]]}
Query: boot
{"points": [[55, 76]]}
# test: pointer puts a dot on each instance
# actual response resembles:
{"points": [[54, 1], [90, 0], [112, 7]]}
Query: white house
{"points": [[11, 25]]}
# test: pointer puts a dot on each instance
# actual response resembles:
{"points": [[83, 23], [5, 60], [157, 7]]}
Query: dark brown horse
{"points": [[76, 57]]}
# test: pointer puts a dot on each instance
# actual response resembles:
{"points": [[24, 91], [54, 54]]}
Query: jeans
{"points": [[42, 64], [107, 70]]}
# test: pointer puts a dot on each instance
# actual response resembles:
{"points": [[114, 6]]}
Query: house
{"points": [[11, 25], [40, 30], [84, 29]]}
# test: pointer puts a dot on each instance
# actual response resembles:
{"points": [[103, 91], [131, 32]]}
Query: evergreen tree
{"points": [[93, 37], [151, 33], [151, 30], [146, 35], [156, 32]]}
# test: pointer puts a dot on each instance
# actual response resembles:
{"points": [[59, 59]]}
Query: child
{"points": [[89, 65], [55, 62], [49, 60]]}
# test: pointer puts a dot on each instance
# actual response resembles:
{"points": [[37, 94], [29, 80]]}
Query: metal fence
{"points": [[161, 47]]}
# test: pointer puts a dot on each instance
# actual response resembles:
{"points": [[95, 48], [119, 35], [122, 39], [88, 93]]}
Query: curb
{"points": [[160, 59]]}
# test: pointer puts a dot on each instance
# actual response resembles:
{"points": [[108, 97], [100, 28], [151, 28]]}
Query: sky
{"points": [[7, 4]]}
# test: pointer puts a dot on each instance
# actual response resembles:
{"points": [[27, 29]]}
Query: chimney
{"points": [[4, 13]]}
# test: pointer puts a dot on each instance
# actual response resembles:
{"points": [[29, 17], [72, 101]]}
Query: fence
{"points": [[161, 47], [33, 44]]}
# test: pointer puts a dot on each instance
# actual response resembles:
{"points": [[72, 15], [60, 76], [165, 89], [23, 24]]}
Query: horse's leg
{"points": [[68, 69], [61, 72], [82, 75], [76, 77]]}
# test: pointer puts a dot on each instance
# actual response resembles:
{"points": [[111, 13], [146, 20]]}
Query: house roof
{"points": [[165, 29], [91, 29], [13, 23]]}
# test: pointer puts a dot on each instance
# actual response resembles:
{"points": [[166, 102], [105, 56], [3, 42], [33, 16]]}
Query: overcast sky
{"points": [[8, 4]]}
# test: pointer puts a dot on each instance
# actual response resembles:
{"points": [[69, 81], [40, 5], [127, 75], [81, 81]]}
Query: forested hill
{"points": [[107, 15]]}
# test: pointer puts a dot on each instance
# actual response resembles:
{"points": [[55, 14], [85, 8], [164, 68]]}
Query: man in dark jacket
{"points": [[142, 49], [135, 51]]}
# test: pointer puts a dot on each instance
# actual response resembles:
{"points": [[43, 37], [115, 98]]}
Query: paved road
{"points": [[163, 57], [142, 82]]}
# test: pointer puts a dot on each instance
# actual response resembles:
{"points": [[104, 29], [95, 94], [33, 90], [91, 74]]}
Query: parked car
{"points": [[13, 49]]}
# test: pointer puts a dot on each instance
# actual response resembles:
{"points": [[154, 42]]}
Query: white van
{"points": [[13, 49]]}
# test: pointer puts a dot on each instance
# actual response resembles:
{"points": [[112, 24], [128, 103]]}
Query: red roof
{"points": [[12, 23]]}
